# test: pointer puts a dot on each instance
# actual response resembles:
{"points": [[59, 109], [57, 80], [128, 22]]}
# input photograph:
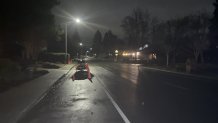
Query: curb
{"points": [[36, 101], [179, 73]]}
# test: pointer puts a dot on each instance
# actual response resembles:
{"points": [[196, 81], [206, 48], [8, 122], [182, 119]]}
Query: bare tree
{"points": [[28, 24], [136, 27], [110, 41], [167, 37], [161, 39], [32, 42], [213, 50], [97, 43], [198, 34]]}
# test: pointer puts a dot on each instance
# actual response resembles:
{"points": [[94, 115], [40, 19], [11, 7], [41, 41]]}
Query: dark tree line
{"points": [[25, 25], [59, 40], [182, 38], [214, 34], [107, 44], [136, 27], [174, 40], [97, 43]]}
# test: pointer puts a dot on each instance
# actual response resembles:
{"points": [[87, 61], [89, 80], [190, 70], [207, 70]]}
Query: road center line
{"points": [[126, 120]]}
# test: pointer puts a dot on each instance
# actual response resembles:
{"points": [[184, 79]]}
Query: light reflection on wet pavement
{"points": [[152, 97], [78, 101]]}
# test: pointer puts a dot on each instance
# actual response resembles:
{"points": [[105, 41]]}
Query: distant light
{"points": [[80, 44], [109, 54], [154, 56], [133, 54], [137, 53], [116, 51], [125, 54], [78, 20], [146, 46]]}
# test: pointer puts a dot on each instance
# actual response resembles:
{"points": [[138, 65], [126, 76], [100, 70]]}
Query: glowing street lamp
{"points": [[116, 51], [80, 44], [77, 20], [87, 53], [137, 53], [116, 54]]}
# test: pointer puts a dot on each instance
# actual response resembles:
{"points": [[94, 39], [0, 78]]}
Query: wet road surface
{"points": [[148, 96], [78, 101], [155, 96]]}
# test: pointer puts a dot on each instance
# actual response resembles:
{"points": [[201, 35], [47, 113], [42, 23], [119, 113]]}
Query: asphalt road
{"points": [[129, 93]]}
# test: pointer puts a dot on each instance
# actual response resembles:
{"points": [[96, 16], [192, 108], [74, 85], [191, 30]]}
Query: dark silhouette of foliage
{"points": [[110, 41], [136, 27], [58, 42], [97, 43], [214, 34], [183, 37], [198, 34], [73, 43], [28, 23]]}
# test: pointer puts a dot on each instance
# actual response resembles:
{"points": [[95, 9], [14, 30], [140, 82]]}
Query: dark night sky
{"points": [[107, 14]]}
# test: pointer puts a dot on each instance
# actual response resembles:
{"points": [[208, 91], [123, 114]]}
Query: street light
{"points": [[77, 20], [116, 54], [80, 44], [87, 53], [116, 51]]}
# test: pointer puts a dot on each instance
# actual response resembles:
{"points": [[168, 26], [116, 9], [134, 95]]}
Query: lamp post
{"points": [[77, 20], [87, 53], [116, 54], [80, 44]]}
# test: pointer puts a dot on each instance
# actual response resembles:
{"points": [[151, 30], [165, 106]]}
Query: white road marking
{"points": [[126, 120]]}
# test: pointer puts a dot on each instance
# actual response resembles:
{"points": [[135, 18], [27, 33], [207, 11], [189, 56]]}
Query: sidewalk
{"points": [[17, 100]]}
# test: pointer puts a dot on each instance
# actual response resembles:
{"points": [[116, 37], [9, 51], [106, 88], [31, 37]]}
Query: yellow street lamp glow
{"points": [[125, 54], [137, 53]]}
